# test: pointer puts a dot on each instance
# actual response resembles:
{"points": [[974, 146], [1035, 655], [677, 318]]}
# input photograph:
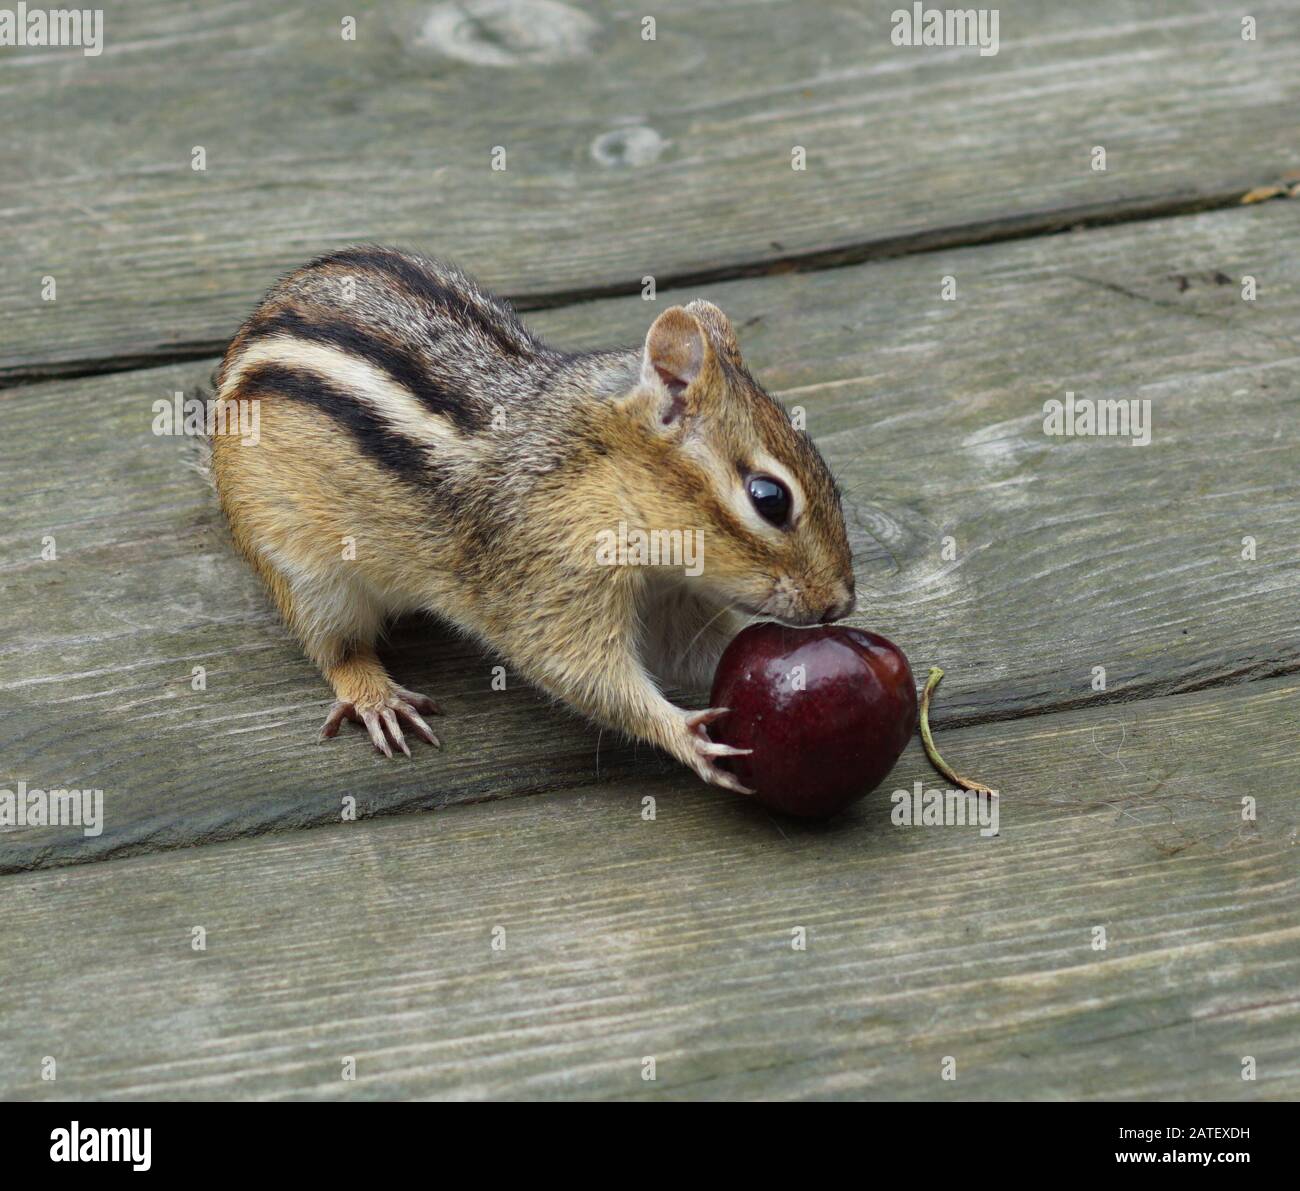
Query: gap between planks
{"points": [[1026, 226]]}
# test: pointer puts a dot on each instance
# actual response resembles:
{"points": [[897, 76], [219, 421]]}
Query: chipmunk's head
{"points": [[723, 457]]}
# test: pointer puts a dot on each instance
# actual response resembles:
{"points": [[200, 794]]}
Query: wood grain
{"points": [[672, 939], [623, 157], [1071, 553]]}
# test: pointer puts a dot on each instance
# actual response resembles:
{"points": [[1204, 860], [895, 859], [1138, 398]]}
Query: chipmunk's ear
{"points": [[679, 362], [718, 325]]}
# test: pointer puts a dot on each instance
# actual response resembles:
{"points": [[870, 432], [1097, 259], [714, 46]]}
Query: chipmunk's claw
{"points": [[419, 702], [698, 719], [705, 750], [383, 722], [720, 777], [338, 712]]}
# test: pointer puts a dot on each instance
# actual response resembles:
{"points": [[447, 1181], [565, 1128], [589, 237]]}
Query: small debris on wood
{"points": [[1261, 194]]}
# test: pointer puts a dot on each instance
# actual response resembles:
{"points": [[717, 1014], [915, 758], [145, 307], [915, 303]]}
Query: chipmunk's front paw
{"points": [[384, 720], [702, 752]]}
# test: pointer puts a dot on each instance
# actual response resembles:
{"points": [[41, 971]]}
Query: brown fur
{"points": [[494, 527]]}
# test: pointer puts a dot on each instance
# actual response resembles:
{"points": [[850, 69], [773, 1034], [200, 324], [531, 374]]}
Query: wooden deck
{"points": [[627, 939]]}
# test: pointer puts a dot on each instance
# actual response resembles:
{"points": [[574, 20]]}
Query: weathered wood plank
{"points": [[624, 157], [1071, 553], [672, 939]]}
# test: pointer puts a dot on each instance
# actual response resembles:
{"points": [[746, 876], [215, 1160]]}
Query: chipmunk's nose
{"points": [[840, 610]]}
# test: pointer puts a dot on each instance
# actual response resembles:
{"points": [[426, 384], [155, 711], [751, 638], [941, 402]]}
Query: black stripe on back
{"points": [[392, 451], [383, 353], [422, 283]]}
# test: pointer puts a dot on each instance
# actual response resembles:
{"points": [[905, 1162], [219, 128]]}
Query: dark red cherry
{"points": [[827, 711]]}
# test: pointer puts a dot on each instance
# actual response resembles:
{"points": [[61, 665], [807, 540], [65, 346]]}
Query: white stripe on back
{"points": [[393, 402]]}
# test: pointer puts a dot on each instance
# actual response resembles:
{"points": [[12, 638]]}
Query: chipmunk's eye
{"points": [[771, 498]]}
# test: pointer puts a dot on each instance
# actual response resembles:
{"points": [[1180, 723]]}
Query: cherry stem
{"points": [[933, 753]]}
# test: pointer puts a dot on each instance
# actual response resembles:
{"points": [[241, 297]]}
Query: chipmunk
{"points": [[420, 449]]}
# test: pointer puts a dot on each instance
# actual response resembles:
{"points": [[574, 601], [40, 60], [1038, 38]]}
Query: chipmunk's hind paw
{"points": [[384, 721]]}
